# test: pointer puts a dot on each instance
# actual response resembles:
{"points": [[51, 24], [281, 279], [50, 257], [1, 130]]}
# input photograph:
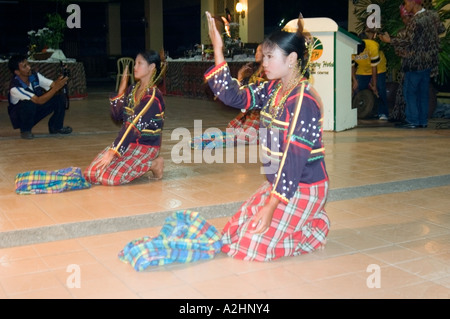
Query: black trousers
{"points": [[30, 113]]}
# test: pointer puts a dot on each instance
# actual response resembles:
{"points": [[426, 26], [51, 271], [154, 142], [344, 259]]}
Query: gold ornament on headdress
{"points": [[299, 28]]}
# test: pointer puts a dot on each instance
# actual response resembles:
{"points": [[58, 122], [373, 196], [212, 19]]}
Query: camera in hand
{"points": [[65, 73], [64, 70]]}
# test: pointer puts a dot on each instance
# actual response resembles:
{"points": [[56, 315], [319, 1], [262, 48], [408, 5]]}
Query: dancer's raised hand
{"points": [[216, 39]]}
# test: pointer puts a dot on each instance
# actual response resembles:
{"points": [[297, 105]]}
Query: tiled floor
{"points": [[389, 208]]}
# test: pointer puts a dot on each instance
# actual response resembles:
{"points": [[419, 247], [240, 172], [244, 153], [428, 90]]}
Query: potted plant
{"points": [[39, 43], [57, 25], [44, 42]]}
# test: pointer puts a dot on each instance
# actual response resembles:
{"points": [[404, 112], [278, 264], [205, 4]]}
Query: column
{"points": [[352, 20], [251, 27], [206, 5], [154, 39], [114, 30]]}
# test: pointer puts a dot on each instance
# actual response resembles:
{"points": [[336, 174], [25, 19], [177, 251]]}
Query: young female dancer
{"points": [[285, 216], [141, 106]]}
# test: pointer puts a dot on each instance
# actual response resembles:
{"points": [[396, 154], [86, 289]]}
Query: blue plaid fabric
{"points": [[213, 140], [47, 182], [185, 237]]}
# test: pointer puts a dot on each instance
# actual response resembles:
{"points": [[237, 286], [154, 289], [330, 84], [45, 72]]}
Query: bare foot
{"points": [[157, 168]]}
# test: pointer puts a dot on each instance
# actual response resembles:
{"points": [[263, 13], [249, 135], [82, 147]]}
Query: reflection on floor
{"points": [[389, 207]]}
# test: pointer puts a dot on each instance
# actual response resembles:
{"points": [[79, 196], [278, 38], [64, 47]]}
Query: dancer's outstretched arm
{"points": [[216, 39]]}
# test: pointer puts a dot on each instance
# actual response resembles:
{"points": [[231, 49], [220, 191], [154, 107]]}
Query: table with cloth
{"points": [[50, 69]]}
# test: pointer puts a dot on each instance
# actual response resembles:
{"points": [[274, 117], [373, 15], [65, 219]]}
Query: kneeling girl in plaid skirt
{"points": [[141, 107], [286, 215]]}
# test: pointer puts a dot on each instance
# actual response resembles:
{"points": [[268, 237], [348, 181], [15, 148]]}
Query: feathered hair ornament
{"points": [[298, 26], [158, 78]]}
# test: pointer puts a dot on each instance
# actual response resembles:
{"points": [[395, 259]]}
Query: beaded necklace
{"points": [[135, 99], [274, 106], [154, 80]]}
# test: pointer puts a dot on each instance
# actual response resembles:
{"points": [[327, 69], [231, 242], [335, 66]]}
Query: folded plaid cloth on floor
{"points": [[213, 140], [47, 182], [185, 237]]}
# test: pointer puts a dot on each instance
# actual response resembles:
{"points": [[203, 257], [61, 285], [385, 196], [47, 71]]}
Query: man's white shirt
{"points": [[20, 94]]}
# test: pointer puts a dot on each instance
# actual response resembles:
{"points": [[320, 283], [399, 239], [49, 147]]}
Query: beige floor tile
{"points": [[445, 281], [57, 247], [429, 268], [225, 287], [102, 240], [406, 234], [393, 278], [201, 271], [151, 281], [178, 292], [58, 292], [23, 266], [29, 282], [64, 260], [16, 253], [78, 273], [301, 291], [103, 288], [314, 270], [5, 224], [278, 277], [60, 209], [429, 246], [349, 286], [359, 240], [426, 290], [393, 254]]}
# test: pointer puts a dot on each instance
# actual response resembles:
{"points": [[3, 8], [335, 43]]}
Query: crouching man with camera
{"points": [[32, 97]]}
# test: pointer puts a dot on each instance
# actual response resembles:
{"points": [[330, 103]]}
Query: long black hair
{"points": [[290, 42]]}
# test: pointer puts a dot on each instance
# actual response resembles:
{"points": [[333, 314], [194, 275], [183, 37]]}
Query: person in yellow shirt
{"points": [[369, 67]]}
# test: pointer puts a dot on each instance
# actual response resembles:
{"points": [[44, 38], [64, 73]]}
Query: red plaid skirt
{"points": [[246, 126], [136, 161], [297, 228]]}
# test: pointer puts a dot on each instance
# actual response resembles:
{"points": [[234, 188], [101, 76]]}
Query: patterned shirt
{"points": [[420, 42], [286, 167], [142, 123]]}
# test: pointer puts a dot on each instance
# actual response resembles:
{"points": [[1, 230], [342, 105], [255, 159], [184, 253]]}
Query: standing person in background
{"points": [[286, 215], [383, 108], [141, 107], [398, 112], [367, 64], [420, 43]]}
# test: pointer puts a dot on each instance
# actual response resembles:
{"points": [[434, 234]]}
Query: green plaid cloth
{"points": [[47, 182], [185, 237]]}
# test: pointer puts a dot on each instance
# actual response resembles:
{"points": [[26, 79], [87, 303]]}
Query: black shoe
{"points": [[27, 135], [423, 126], [63, 130], [408, 125], [400, 123]]}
